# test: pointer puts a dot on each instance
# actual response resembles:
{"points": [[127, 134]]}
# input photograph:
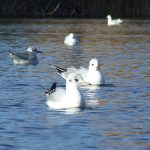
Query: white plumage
{"points": [[59, 98], [111, 21], [92, 75], [71, 39]]}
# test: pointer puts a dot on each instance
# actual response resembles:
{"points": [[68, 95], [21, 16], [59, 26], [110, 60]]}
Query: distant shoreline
{"points": [[62, 9]]}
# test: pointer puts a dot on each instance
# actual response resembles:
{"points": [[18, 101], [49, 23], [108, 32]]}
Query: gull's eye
{"points": [[92, 64], [70, 80], [76, 80]]}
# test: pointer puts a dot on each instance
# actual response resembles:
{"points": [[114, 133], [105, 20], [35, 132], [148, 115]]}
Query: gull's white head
{"points": [[94, 64], [71, 35], [30, 49], [33, 50], [108, 17], [74, 79]]}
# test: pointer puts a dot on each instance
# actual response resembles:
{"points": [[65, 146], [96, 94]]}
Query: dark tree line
{"points": [[74, 8]]}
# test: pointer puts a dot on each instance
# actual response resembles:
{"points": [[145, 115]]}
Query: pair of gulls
{"points": [[71, 97], [72, 39]]}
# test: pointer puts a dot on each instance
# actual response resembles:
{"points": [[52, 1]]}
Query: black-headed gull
{"points": [[59, 98], [91, 76], [25, 58], [111, 21], [71, 39]]}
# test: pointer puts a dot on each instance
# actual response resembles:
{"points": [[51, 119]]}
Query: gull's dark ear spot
{"points": [[76, 80], [70, 80]]}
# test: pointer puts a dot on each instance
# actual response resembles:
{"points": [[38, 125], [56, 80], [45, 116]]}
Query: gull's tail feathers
{"points": [[59, 69], [52, 89]]}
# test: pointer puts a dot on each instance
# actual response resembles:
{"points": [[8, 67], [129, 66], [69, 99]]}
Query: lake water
{"points": [[118, 114]]}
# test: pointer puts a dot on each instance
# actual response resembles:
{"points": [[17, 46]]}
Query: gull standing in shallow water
{"points": [[91, 76], [59, 98], [71, 39], [25, 58], [112, 22]]}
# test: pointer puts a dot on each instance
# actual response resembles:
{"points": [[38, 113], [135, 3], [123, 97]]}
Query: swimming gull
{"points": [[25, 58], [111, 21], [71, 39], [91, 76], [71, 97]]}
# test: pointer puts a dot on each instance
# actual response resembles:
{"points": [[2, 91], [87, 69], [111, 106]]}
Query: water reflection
{"points": [[70, 111]]}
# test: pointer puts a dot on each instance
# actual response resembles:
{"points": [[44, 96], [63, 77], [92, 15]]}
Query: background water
{"points": [[118, 114]]}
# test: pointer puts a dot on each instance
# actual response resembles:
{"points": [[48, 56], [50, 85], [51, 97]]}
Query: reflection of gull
{"points": [[90, 76], [113, 22], [58, 98], [28, 57], [71, 39], [71, 111]]}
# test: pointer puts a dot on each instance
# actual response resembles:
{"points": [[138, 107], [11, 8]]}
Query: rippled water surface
{"points": [[118, 114]]}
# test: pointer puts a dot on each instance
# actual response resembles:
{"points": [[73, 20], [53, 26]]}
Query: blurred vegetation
{"points": [[75, 8]]}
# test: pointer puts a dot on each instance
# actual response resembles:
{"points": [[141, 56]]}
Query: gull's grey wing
{"points": [[19, 55], [64, 72], [56, 95], [82, 71], [69, 71]]}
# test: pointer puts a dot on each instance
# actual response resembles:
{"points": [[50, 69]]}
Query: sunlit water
{"points": [[117, 115]]}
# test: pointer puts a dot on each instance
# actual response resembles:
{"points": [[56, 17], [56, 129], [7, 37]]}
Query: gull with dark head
{"points": [[91, 76], [71, 97], [25, 58]]}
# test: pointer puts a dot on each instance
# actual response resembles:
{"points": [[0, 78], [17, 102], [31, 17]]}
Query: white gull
{"points": [[71, 39], [59, 98], [111, 21], [92, 75]]}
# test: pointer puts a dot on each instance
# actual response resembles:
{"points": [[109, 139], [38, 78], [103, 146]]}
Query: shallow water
{"points": [[118, 114]]}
